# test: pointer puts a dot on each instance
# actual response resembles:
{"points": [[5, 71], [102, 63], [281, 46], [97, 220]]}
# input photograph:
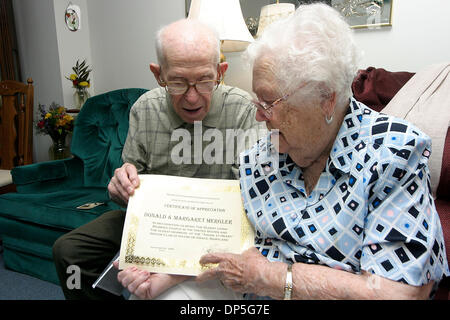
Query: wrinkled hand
{"points": [[146, 285], [246, 273], [123, 184]]}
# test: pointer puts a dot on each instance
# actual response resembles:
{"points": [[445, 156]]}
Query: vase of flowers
{"points": [[57, 124], [81, 83], [59, 150], [79, 97]]}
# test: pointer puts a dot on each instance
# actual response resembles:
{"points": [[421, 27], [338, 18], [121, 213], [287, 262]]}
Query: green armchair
{"points": [[48, 193]]}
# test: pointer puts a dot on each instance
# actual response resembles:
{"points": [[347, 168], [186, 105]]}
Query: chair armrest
{"points": [[48, 176], [39, 172], [5, 177]]}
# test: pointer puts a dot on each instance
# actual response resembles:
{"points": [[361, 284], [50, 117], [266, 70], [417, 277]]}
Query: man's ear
{"points": [[222, 68], [156, 70]]}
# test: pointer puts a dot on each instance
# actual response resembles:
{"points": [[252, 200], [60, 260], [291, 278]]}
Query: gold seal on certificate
{"points": [[172, 221]]}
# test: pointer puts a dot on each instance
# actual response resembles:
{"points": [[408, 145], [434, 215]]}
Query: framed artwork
{"points": [[365, 14], [72, 17]]}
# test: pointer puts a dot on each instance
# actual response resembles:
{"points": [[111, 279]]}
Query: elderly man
{"points": [[189, 102]]}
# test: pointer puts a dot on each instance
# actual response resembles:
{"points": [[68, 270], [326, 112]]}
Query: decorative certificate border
{"points": [[161, 265], [131, 241]]}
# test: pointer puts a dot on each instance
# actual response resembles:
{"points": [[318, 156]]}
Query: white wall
{"points": [[418, 37], [39, 58], [72, 46], [122, 40]]}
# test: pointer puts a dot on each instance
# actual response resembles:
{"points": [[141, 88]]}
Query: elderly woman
{"points": [[344, 211]]}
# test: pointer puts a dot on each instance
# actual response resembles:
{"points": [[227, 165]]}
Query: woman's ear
{"points": [[329, 105], [156, 70]]}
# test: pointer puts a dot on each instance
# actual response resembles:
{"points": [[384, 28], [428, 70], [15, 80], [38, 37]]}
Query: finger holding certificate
{"points": [[172, 222]]}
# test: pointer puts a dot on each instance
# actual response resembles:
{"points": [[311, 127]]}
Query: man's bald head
{"points": [[187, 35]]}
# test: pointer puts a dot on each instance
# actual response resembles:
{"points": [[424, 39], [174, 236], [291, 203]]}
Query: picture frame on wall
{"points": [[365, 14]]}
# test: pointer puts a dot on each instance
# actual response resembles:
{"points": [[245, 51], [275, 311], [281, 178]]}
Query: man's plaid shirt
{"points": [[149, 144]]}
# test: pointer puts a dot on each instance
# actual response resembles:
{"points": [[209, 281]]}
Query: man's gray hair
{"points": [[211, 34], [313, 46]]}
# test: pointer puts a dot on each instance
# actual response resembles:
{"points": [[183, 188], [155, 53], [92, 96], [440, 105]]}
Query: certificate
{"points": [[172, 221]]}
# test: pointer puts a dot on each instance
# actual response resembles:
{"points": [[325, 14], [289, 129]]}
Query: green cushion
{"points": [[39, 173], [56, 209], [24, 254], [106, 118], [38, 177], [27, 257]]}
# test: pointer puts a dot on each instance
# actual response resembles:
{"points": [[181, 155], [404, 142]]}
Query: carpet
{"points": [[18, 286]]}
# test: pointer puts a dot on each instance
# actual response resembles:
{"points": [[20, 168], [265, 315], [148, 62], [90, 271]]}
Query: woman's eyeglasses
{"points": [[266, 108]]}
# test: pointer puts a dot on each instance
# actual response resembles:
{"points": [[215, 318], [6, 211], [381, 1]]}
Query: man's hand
{"points": [[123, 183], [146, 285]]}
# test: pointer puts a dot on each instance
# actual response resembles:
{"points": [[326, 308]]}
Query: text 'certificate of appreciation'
{"points": [[172, 221]]}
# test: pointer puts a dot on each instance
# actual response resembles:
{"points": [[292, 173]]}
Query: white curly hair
{"points": [[315, 46]]}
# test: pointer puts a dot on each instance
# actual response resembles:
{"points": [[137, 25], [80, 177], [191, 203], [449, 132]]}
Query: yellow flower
{"points": [[48, 115], [68, 117], [61, 110], [73, 76], [84, 83]]}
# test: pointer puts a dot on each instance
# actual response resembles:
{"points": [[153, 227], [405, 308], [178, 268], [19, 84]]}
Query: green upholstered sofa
{"points": [[48, 193]]}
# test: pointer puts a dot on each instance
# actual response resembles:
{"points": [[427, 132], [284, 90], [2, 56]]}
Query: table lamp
{"points": [[226, 17], [273, 12]]}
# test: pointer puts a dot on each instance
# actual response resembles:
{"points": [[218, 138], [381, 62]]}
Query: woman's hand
{"points": [[249, 272], [146, 285]]}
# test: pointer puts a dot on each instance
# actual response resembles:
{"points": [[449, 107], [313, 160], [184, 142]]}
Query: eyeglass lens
{"points": [[206, 86]]}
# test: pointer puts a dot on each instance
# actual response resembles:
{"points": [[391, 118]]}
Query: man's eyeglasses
{"points": [[181, 87]]}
